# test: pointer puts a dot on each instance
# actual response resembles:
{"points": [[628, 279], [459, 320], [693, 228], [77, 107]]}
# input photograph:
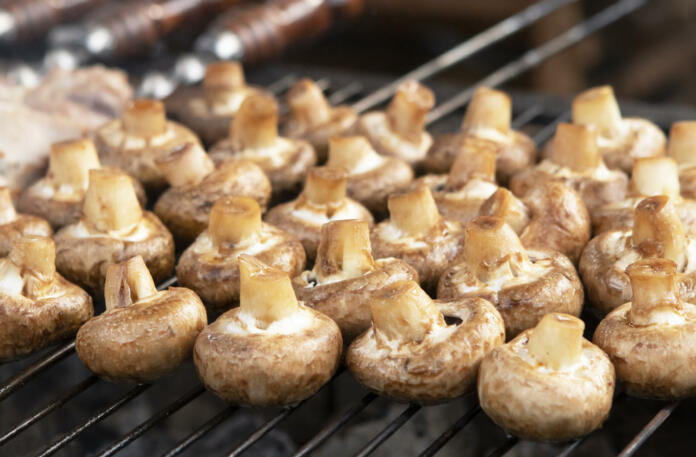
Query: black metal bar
{"points": [[261, 432], [282, 84], [218, 419], [571, 447], [345, 93], [448, 434], [167, 283], [649, 429], [505, 447], [526, 116], [388, 431], [548, 130]]}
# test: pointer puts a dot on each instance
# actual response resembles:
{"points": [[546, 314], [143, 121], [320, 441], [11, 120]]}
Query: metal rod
{"points": [[649, 429], [388, 431], [526, 116], [345, 93], [505, 447], [571, 447], [261, 432], [455, 428], [547, 132], [218, 419], [281, 85]]}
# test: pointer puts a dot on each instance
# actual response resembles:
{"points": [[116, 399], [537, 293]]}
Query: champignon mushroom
{"points": [[322, 200], [38, 306], [144, 333], [197, 184], [416, 233], [549, 383], [272, 350], [345, 277], [399, 131], [253, 135], [412, 355], [682, 148], [142, 135], [576, 161], [112, 228], [523, 284], [486, 124], [14, 225], [209, 265], [313, 119], [58, 196]]}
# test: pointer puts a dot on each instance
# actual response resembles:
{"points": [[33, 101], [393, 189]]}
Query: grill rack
{"points": [[337, 95]]}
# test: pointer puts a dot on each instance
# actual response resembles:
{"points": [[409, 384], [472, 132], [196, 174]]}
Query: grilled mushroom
{"points": [[412, 355], [253, 135], [209, 265], [38, 306], [113, 228], [144, 333], [272, 350], [197, 184], [486, 124], [682, 148], [523, 284], [549, 383], [14, 225], [345, 278]]}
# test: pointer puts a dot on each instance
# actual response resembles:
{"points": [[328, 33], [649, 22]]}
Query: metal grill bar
{"points": [[282, 84], [571, 447], [218, 419], [388, 431], [649, 429], [261, 432], [448, 434], [548, 131], [345, 93], [505, 447]]}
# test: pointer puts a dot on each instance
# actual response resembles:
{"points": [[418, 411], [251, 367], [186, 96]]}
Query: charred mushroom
{"points": [[682, 148], [14, 225]]}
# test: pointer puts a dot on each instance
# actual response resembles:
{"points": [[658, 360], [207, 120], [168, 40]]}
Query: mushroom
{"points": [[411, 354], [14, 225], [416, 233], [38, 306], [345, 278], [682, 148], [313, 119], [523, 284], [657, 232], [549, 383], [58, 196], [322, 200], [144, 333], [651, 339], [112, 228], [270, 351], [196, 184], [371, 176], [209, 265], [142, 135], [486, 124], [253, 135], [576, 161], [399, 131]]}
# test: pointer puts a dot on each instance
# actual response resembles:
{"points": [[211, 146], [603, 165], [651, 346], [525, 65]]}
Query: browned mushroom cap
{"points": [[620, 140], [682, 148], [14, 225], [144, 333], [487, 122], [113, 228], [209, 265], [523, 284], [412, 355], [37, 305], [197, 184], [271, 350], [345, 278], [371, 176], [313, 119], [322, 200], [400, 130], [549, 383], [416, 233]]}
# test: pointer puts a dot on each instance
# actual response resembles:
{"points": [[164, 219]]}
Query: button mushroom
{"points": [[523, 284], [345, 277], [682, 148], [271, 350], [486, 124], [38, 306], [196, 184], [144, 333], [253, 135], [411, 354], [14, 225], [112, 228], [549, 383], [209, 265]]}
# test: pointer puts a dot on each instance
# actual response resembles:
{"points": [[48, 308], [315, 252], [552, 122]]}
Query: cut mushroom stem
{"points": [[127, 282], [407, 110], [70, 162], [255, 125], [682, 142], [220, 78], [349, 151], [655, 176], [658, 231], [345, 248], [598, 107], [415, 212], [488, 109], [308, 104], [575, 147], [36, 254], [491, 247], [556, 341], [145, 118], [504, 205], [325, 185], [472, 163], [655, 290], [186, 165], [7, 209], [234, 219], [110, 201]]}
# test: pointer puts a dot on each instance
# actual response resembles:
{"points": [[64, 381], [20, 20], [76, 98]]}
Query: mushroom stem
{"points": [[556, 341], [36, 254], [488, 109], [598, 107], [70, 162], [127, 282], [682, 142], [145, 118], [7, 209], [110, 202], [350, 151], [308, 104], [266, 293], [473, 163], [504, 205], [220, 78], [655, 290], [185, 165], [407, 110], [234, 219], [414, 213], [325, 185], [575, 147], [255, 125], [655, 176], [658, 231], [492, 249], [344, 247]]}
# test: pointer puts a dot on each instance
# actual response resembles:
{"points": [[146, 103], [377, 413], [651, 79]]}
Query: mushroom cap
{"points": [[460, 205], [373, 187], [540, 404], [642, 139], [341, 122], [24, 224], [145, 340], [440, 367], [619, 215], [687, 181], [375, 127]]}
